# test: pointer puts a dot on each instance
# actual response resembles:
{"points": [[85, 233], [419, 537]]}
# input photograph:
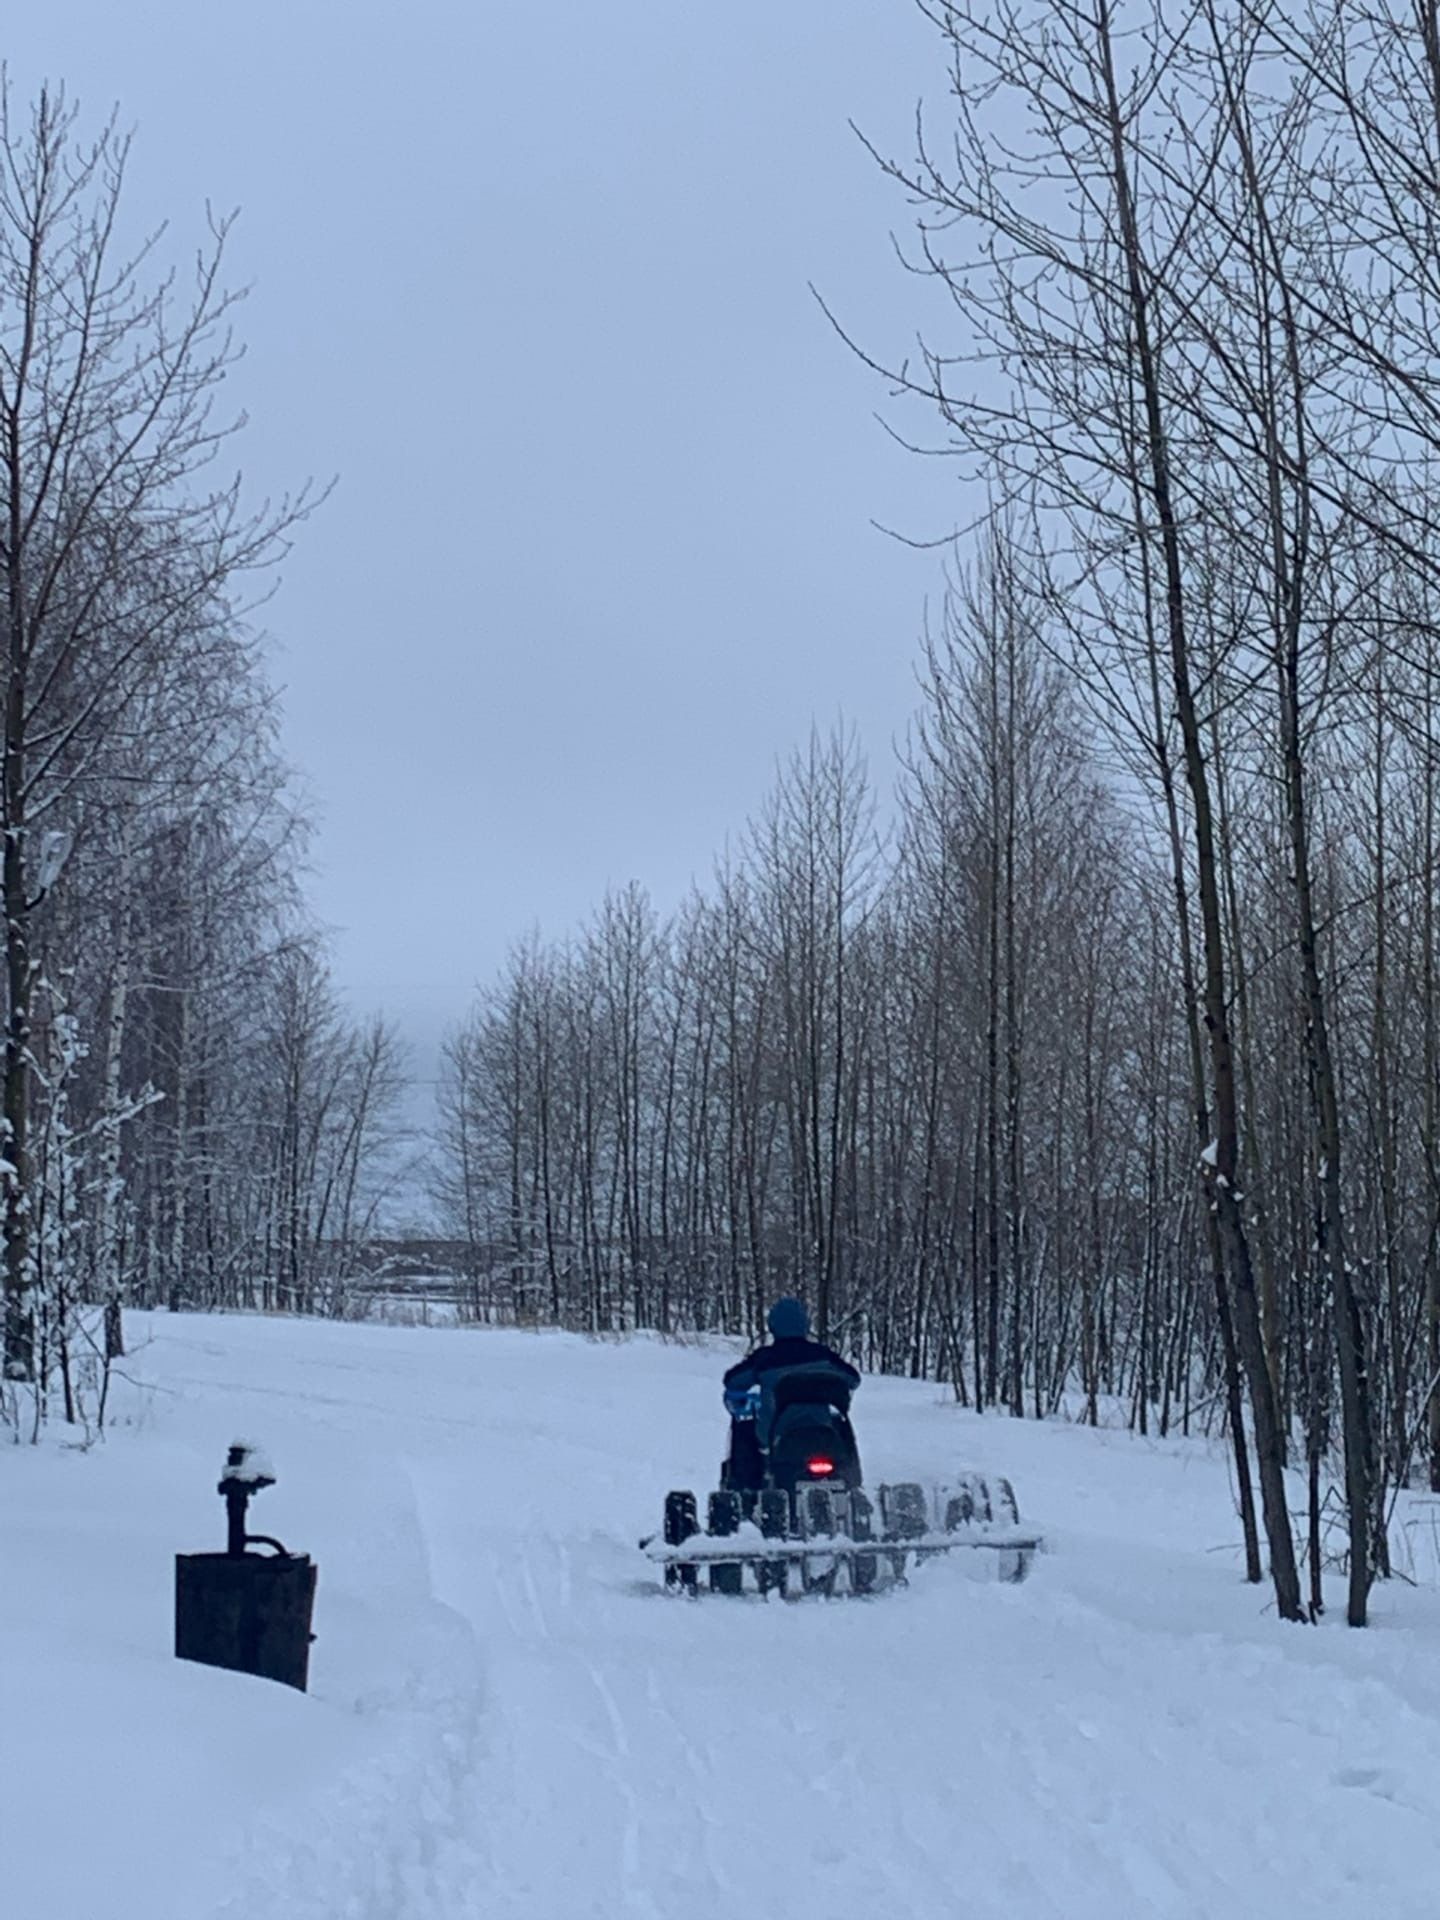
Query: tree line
{"points": [[1102, 1067], [1113, 1070], [187, 1115]]}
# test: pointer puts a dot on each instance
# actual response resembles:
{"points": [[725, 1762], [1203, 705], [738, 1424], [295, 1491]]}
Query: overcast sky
{"points": [[531, 279]]}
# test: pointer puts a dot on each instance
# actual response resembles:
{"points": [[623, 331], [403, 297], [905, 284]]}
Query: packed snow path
{"points": [[510, 1719]]}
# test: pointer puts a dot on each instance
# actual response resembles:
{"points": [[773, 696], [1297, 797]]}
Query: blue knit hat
{"points": [[788, 1319]]}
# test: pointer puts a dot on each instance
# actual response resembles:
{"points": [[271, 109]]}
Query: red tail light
{"points": [[820, 1467]]}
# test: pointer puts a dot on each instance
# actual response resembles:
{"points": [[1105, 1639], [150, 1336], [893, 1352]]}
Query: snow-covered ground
{"points": [[509, 1719]]}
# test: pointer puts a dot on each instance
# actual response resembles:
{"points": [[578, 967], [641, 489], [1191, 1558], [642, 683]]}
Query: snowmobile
{"points": [[792, 1516]]}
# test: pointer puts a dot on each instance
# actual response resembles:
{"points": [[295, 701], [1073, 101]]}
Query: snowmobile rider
{"points": [[750, 1386]]}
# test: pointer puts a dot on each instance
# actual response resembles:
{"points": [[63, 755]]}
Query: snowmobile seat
{"points": [[812, 1385]]}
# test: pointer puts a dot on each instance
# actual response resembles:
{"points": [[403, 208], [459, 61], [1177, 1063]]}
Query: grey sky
{"points": [[531, 278]]}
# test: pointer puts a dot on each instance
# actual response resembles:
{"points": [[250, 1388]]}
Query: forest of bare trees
{"points": [[1091, 1062], [1108, 1070], [189, 1118]]}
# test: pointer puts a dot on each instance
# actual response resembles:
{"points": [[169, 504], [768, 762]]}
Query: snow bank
{"points": [[137, 1787], [508, 1718]]}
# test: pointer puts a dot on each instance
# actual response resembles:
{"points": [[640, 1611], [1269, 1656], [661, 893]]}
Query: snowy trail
{"points": [[509, 1716], [1127, 1734]]}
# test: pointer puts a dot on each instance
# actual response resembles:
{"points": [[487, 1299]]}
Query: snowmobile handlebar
{"points": [[742, 1403]]}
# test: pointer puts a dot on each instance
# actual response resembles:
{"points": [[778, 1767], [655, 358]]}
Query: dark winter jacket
{"points": [[792, 1352]]}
